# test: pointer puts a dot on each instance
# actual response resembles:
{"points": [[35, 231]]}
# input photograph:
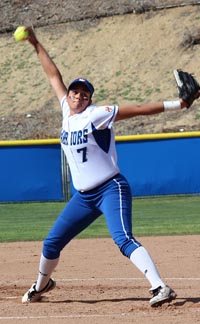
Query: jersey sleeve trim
{"points": [[62, 101], [115, 111]]}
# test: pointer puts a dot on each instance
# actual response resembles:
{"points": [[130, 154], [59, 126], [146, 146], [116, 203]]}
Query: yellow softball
{"points": [[21, 34]]}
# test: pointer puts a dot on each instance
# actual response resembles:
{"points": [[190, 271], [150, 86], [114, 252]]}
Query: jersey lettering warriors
{"points": [[88, 142]]}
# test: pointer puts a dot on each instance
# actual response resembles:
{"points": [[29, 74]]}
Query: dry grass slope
{"points": [[129, 58]]}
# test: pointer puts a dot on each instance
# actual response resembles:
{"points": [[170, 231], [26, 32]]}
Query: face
{"points": [[78, 99]]}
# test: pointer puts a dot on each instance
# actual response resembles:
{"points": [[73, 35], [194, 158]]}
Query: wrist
{"points": [[172, 105], [183, 103]]}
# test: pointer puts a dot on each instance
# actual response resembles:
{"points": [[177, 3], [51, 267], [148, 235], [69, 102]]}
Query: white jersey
{"points": [[88, 142]]}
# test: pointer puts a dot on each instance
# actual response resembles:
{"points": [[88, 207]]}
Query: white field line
{"points": [[64, 316], [119, 279], [102, 279], [75, 316]]}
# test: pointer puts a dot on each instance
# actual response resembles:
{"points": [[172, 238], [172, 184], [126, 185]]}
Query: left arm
{"points": [[132, 110]]}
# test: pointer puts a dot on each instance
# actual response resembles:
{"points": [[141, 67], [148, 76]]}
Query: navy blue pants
{"points": [[113, 199]]}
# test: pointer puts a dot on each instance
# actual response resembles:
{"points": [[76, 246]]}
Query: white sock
{"points": [[143, 261], [45, 270]]}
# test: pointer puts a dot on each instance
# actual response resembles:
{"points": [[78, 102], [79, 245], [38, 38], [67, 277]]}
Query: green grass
{"points": [[151, 216]]}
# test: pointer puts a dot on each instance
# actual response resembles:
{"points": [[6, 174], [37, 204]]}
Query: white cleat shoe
{"points": [[161, 295], [32, 296]]}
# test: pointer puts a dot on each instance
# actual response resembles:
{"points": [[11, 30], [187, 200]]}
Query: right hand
{"points": [[31, 37]]}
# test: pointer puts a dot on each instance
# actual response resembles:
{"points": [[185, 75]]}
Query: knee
{"points": [[51, 250], [127, 246]]}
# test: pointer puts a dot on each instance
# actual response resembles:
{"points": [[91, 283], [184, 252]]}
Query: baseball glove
{"points": [[188, 86]]}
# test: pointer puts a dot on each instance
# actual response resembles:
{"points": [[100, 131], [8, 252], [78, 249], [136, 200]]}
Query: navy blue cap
{"points": [[82, 81]]}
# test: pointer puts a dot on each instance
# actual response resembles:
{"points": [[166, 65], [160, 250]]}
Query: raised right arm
{"points": [[49, 67]]}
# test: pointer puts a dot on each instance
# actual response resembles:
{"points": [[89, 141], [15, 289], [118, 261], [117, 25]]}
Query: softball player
{"points": [[87, 139]]}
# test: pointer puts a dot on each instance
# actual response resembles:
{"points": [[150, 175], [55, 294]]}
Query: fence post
{"points": [[65, 177]]}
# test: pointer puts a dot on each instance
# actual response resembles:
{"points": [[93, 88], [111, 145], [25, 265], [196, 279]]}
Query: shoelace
{"points": [[156, 291], [32, 293]]}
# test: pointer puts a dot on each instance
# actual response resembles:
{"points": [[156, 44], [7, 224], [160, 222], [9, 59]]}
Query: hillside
{"points": [[127, 53]]}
